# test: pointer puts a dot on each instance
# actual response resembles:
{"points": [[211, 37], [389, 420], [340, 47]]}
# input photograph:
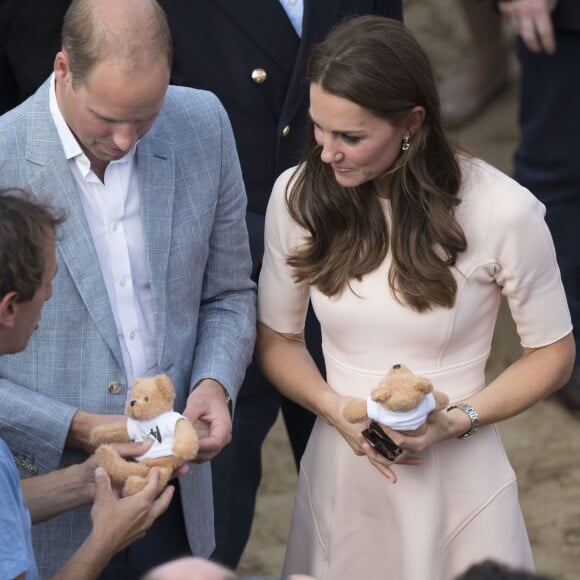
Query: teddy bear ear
{"points": [[165, 386], [424, 385]]}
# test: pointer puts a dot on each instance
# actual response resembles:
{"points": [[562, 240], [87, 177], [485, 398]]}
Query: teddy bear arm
{"points": [[186, 443], [441, 400], [110, 433], [355, 411]]}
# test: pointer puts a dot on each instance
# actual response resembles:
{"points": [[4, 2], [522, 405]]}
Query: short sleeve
{"points": [[520, 245], [282, 302], [15, 525]]}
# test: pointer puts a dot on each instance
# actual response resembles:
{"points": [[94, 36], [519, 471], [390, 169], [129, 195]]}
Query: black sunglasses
{"points": [[381, 442]]}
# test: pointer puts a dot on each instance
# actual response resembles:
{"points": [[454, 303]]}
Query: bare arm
{"points": [[58, 491], [286, 362], [538, 373], [117, 522]]}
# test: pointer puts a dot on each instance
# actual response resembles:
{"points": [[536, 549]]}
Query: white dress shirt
{"points": [[113, 214]]}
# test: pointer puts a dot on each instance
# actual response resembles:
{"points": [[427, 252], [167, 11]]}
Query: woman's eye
{"points": [[351, 138]]}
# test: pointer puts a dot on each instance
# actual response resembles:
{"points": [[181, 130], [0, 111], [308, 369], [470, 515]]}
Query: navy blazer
{"points": [[219, 44]]}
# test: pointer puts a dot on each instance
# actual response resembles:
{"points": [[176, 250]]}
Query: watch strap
{"points": [[473, 417]]}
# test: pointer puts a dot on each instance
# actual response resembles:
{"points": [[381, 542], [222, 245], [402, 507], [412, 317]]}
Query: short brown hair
{"points": [[24, 225], [87, 42]]}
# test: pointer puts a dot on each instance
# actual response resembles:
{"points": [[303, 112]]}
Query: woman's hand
{"points": [[531, 20], [352, 433]]}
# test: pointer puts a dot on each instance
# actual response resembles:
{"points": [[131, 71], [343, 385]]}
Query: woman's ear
{"points": [[415, 119]]}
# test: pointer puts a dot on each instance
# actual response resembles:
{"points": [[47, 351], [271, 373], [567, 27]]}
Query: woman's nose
{"points": [[329, 153]]}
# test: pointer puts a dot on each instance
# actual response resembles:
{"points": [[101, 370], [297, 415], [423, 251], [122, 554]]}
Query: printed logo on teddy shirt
{"points": [[161, 429]]}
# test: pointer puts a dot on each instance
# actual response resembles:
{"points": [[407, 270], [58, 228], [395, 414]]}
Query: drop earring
{"points": [[405, 146]]}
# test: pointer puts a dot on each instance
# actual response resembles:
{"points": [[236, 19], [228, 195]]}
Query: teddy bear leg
{"points": [[136, 483], [117, 467]]}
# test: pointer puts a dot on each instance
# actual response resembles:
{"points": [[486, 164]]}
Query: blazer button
{"points": [[114, 387], [259, 76], [286, 131]]}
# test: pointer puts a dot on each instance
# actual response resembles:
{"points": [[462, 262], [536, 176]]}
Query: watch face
{"points": [[380, 441]]}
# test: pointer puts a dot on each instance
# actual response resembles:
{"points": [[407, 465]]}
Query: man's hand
{"points": [[531, 20], [81, 426], [124, 520], [117, 522], [209, 413]]}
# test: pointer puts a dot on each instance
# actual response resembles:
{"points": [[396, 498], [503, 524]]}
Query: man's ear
{"points": [[61, 68], [8, 310]]}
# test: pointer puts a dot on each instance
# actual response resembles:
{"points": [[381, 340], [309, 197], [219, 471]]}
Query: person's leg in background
{"points": [[485, 74], [237, 469]]}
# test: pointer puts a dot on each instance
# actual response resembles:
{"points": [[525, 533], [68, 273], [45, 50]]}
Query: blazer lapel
{"points": [[156, 162], [276, 37], [319, 18], [56, 184]]}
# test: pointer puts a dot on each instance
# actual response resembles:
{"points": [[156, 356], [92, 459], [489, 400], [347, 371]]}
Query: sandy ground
{"points": [[543, 443]]}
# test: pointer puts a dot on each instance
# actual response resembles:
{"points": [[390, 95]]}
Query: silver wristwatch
{"points": [[473, 416]]}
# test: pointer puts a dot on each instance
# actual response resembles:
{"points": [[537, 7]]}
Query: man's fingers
{"points": [[546, 33], [102, 484], [161, 504]]}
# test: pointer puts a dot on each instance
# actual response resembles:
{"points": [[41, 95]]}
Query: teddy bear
{"points": [[150, 416], [401, 400]]}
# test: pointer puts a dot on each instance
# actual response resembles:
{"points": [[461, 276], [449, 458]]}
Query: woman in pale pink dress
{"points": [[404, 245]]}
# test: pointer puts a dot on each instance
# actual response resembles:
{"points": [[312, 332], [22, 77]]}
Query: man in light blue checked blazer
{"points": [[153, 265]]}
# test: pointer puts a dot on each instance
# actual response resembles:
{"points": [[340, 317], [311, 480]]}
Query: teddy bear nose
{"points": [[133, 403]]}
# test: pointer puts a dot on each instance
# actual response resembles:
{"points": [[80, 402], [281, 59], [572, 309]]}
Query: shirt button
{"points": [[114, 387], [114, 226], [132, 335], [122, 282], [286, 131], [259, 76]]}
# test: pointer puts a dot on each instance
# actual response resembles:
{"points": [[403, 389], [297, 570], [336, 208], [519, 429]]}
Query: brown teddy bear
{"points": [[401, 401], [150, 415]]}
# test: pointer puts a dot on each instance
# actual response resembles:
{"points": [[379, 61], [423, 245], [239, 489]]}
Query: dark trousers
{"points": [[165, 541], [547, 160], [237, 470]]}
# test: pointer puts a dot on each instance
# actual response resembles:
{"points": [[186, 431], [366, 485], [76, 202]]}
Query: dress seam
{"points": [[477, 512]]}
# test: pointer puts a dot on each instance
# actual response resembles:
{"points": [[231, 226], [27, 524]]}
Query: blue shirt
{"points": [[295, 11], [16, 553]]}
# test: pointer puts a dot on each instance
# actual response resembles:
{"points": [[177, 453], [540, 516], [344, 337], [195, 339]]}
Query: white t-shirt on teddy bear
{"points": [[161, 429], [401, 421]]}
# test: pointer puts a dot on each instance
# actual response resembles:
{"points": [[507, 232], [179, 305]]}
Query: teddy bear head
{"points": [[150, 397], [400, 390]]}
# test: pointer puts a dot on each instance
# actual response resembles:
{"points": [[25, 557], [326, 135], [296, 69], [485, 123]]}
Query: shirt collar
{"points": [[72, 149]]}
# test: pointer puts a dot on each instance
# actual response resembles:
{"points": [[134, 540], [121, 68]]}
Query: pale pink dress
{"points": [[461, 505]]}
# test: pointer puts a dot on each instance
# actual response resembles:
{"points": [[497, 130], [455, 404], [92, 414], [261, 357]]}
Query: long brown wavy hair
{"points": [[376, 63]]}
